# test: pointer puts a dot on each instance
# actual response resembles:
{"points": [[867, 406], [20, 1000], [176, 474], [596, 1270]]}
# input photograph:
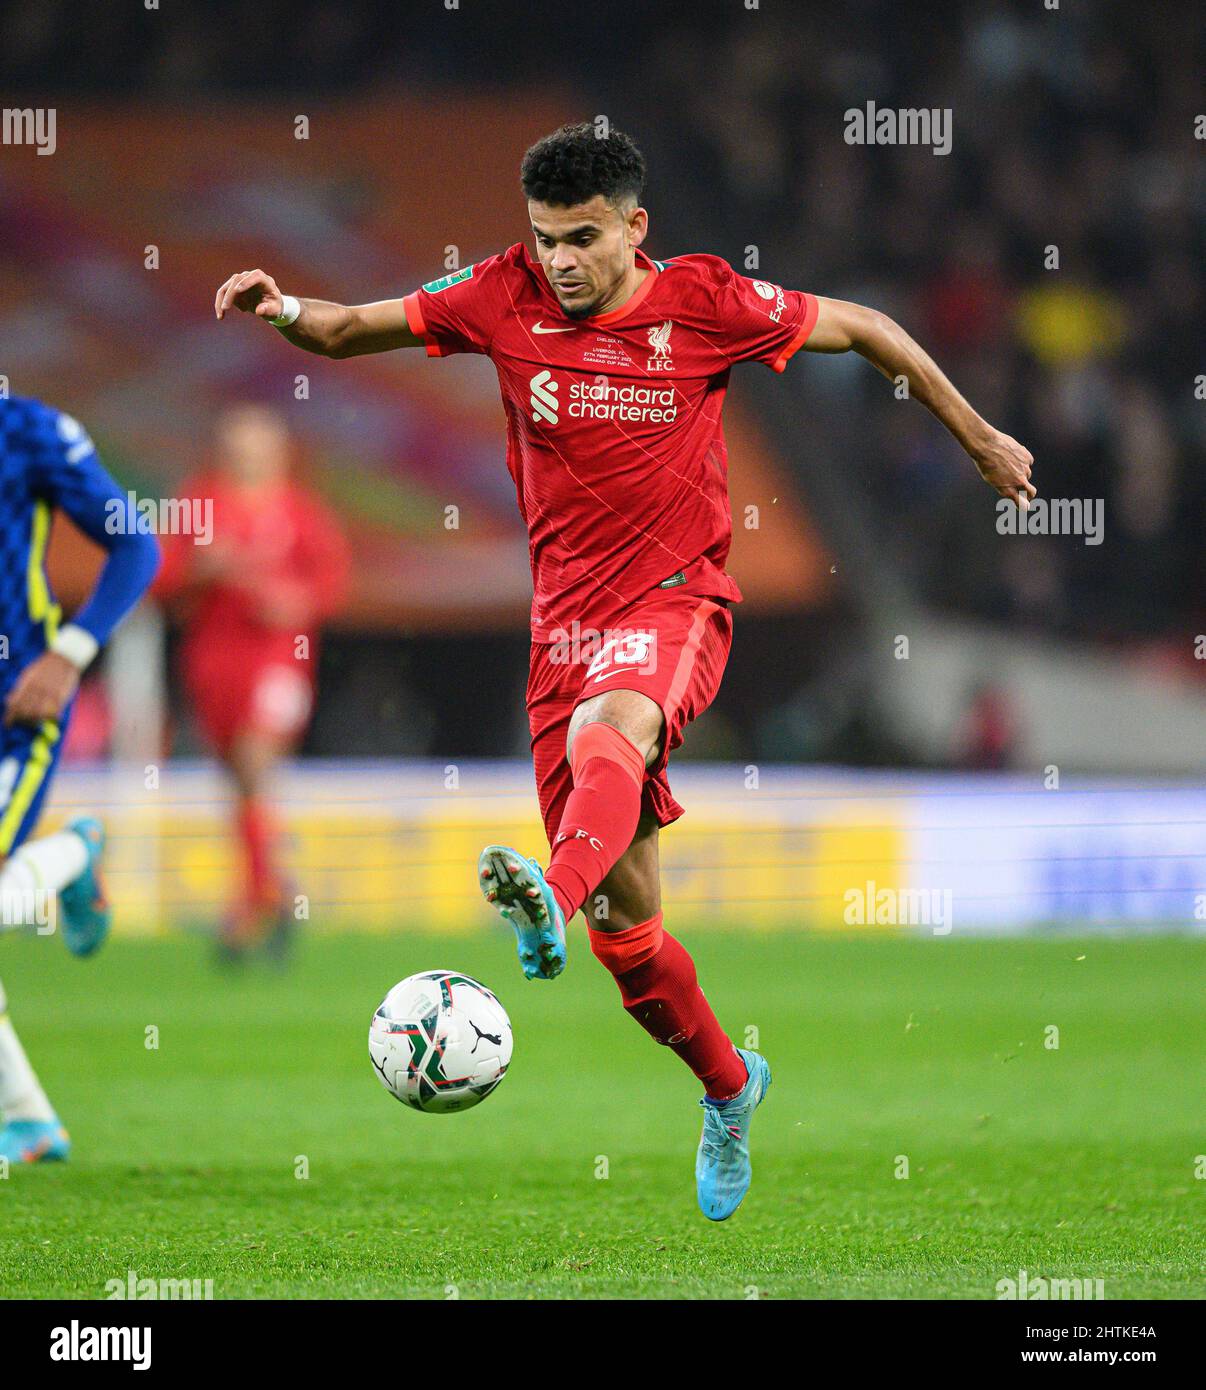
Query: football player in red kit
{"points": [[265, 564], [613, 369]]}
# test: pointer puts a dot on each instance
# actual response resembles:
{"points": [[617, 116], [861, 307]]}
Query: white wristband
{"points": [[76, 644], [290, 309]]}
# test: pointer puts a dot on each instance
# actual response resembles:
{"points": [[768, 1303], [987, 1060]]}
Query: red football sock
{"points": [[657, 981], [257, 835], [600, 816]]}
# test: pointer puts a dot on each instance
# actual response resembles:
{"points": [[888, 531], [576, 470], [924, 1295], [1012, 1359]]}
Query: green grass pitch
{"points": [[1074, 1162]]}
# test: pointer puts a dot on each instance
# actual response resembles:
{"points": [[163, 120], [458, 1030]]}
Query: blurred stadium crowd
{"points": [[1073, 135], [1072, 130]]}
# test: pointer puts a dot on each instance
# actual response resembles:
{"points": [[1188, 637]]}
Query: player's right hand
{"points": [[252, 291], [42, 690], [1005, 464]]}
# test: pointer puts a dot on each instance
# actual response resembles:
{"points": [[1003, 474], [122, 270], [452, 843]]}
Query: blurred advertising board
{"points": [[387, 845]]}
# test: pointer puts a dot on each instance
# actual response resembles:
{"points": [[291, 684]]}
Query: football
{"points": [[440, 1041]]}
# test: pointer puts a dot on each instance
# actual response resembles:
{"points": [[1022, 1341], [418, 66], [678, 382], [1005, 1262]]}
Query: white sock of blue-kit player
{"points": [[37, 869], [21, 1093]]}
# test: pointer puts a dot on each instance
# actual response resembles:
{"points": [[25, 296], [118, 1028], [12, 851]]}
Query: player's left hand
{"points": [[1005, 464], [42, 690]]}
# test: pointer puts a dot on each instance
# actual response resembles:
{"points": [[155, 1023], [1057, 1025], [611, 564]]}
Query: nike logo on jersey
{"points": [[536, 328]]}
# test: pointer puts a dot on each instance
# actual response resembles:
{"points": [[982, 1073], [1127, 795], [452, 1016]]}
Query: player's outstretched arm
{"points": [[1003, 463], [332, 330]]}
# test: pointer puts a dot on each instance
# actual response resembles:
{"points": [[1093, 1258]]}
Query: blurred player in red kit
{"points": [[613, 368], [266, 566]]}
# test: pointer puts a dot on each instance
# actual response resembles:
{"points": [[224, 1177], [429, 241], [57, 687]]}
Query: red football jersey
{"points": [[285, 568], [614, 437]]}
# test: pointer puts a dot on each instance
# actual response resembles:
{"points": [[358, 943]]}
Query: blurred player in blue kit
{"points": [[48, 463]]}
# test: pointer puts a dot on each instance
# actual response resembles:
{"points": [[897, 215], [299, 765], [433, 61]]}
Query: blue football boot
{"points": [[517, 888], [34, 1141], [722, 1164], [86, 914]]}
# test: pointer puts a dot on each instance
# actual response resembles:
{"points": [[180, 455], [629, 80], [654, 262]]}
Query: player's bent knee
{"points": [[638, 718], [599, 740]]}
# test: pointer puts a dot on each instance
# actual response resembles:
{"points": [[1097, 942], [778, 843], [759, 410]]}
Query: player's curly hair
{"points": [[576, 162]]}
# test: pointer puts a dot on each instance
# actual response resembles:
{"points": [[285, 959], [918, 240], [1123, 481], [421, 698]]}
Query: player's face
{"points": [[587, 251], [253, 445]]}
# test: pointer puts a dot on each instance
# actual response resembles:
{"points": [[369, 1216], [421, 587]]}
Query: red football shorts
{"points": [[248, 690], [669, 645]]}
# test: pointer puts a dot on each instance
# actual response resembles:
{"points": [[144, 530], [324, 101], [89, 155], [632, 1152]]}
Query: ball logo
{"points": [[544, 397], [765, 290]]}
